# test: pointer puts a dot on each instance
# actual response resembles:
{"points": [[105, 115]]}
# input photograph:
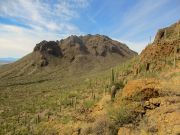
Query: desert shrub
{"points": [[154, 74], [169, 62], [66, 102], [102, 126], [88, 103], [45, 130], [122, 115], [66, 119], [86, 130], [176, 74], [22, 131], [119, 85], [72, 94]]}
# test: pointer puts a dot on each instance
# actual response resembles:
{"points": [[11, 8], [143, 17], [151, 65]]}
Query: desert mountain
{"points": [[75, 54]]}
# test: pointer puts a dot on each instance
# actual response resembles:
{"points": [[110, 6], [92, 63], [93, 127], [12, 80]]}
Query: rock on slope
{"points": [[75, 54], [158, 104]]}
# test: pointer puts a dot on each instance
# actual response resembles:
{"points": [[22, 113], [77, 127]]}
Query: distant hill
{"points": [[74, 54]]}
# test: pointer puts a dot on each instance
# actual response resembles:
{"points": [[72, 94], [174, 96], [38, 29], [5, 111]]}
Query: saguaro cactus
{"points": [[165, 34], [75, 101], [113, 92], [71, 102], [60, 106], [14, 130], [94, 96], [112, 76], [37, 119], [175, 50]]}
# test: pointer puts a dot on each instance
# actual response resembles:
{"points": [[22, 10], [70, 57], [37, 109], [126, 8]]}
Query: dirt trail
{"points": [[100, 107]]}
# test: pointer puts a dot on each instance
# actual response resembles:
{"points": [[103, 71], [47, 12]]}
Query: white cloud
{"points": [[45, 20], [43, 14], [17, 41]]}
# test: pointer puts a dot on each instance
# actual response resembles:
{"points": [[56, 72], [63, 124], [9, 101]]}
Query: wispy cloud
{"points": [[142, 21], [18, 41], [45, 15], [45, 20], [139, 13]]}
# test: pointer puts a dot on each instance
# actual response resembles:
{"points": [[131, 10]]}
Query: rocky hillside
{"points": [[151, 96], [153, 105], [80, 49], [156, 54], [75, 54]]}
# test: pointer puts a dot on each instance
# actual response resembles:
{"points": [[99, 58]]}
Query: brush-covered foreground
{"points": [[57, 105]]}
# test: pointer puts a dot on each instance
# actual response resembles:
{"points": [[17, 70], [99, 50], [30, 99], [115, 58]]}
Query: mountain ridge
{"points": [[74, 53]]}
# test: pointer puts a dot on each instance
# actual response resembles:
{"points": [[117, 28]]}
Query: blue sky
{"points": [[23, 23]]}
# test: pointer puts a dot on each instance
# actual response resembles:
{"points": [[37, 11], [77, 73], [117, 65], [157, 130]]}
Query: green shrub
{"points": [[119, 85], [104, 126], [66, 119], [88, 103], [122, 115]]}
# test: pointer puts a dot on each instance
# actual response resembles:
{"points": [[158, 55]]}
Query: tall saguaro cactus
{"points": [[112, 76], [175, 50], [165, 34], [75, 102]]}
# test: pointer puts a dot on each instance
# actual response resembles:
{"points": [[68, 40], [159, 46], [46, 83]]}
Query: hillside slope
{"points": [[151, 97], [157, 54]]}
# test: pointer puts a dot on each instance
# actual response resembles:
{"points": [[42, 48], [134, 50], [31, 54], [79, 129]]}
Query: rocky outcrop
{"points": [[141, 90], [169, 33], [158, 109], [50, 48], [95, 45], [157, 54]]}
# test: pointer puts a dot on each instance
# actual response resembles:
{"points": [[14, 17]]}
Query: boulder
{"points": [[141, 89]]}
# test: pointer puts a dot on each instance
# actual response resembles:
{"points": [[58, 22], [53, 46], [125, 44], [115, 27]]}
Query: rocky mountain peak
{"points": [[74, 49]]}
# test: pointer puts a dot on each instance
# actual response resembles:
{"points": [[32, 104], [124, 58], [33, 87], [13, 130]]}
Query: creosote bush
{"points": [[102, 126], [122, 115], [88, 103]]}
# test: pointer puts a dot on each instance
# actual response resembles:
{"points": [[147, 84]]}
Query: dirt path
{"points": [[100, 107]]}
